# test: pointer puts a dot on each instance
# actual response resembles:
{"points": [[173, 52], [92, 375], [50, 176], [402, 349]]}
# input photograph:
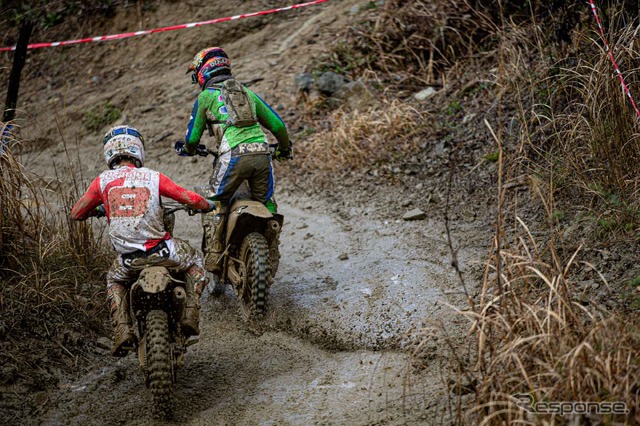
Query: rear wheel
{"points": [[274, 256], [158, 362], [256, 274]]}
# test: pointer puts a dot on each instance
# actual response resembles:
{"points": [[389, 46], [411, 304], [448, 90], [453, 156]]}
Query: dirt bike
{"points": [[251, 256], [157, 303]]}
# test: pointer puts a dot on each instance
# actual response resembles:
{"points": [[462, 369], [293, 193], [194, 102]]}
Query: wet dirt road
{"points": [[349, 296]]}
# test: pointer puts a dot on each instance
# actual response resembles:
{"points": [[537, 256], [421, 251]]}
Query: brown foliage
{"points": [[51, 281], [358, 139]]}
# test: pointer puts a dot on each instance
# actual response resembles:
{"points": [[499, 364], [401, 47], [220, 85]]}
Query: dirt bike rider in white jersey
{"points": [[130, 194]]}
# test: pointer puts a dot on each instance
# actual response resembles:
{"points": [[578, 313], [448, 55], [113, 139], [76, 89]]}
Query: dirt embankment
{"points": [[356, 288]]}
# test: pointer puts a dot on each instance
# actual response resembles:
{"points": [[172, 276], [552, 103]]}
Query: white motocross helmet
{"points": [[123, 142]]}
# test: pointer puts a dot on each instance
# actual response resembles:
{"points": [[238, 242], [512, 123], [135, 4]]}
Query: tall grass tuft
{"points": [[51, 279], [538, 335], [598, 133]]}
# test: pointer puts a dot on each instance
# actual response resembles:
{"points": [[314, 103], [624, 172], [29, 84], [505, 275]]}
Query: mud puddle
{"points": [[236, 377]]}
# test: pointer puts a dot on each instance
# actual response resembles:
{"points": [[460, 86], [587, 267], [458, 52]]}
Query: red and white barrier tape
{"points": [[613, 60], [160, 30]]}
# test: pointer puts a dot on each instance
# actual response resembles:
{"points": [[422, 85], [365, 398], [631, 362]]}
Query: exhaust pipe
{"points": [[273, 228], [179, 294]]}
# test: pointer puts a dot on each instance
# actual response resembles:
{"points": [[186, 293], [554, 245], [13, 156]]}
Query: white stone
{"points": [[424, 94]]}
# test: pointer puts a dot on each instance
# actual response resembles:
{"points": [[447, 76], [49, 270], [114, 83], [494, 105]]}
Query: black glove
{"points": [[284, 154], [99, 211], [181, 149]]}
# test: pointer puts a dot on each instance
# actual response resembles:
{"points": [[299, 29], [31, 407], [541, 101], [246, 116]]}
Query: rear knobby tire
{"points": [[274, 257], [254, 253], [158, 362]]}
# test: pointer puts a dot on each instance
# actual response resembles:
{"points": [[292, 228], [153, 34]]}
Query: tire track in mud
{"points": [[357, 283], [325, 355]]}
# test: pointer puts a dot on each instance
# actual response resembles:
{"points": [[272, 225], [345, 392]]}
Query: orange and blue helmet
{"points": [[207, 63]]}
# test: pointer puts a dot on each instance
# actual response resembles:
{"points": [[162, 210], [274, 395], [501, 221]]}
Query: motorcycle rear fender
{"points": [[246, 207], [154, 279]]}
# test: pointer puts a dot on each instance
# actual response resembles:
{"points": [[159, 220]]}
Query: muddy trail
{"points": [[357, 291], [350, 297]]}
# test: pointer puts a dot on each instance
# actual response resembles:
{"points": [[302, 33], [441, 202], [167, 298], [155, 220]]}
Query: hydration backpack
{"points": [[241, 112]]}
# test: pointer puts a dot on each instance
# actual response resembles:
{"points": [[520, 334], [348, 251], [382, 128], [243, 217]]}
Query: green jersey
{"points": [[210, 103]]}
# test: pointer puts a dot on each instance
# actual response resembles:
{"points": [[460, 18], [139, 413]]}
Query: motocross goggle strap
{"points": [[122, 131]]}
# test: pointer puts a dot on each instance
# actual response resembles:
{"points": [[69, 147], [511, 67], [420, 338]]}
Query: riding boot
{"points": [[212, 246], [191, 319], [123, 337]]}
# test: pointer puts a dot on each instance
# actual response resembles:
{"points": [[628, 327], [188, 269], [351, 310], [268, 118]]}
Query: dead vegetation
{"points": [[51, 285], [566, 132], [541, 336], [357, 139]]}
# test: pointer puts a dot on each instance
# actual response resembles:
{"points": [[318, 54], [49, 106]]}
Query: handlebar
{"points": [[100, 210], [190, 211], [175, 209], [201, 150]]}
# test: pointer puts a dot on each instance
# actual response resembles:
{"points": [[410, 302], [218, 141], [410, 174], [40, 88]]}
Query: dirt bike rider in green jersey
{"points": [[243, 152]]}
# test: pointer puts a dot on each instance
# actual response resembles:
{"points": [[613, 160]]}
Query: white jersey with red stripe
{"points": [[134, 208]]}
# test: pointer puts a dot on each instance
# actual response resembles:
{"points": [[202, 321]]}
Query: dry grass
{"points": [[358, 139], [599, 135], [538, 332], [51, 276], [536, 336]]}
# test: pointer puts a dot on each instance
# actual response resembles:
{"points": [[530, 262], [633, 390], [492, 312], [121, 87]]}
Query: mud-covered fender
{"points": [[154, 279], [246, 207]]}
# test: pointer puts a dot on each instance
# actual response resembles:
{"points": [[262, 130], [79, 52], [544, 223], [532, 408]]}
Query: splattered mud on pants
{"points": [[182, 258]]}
